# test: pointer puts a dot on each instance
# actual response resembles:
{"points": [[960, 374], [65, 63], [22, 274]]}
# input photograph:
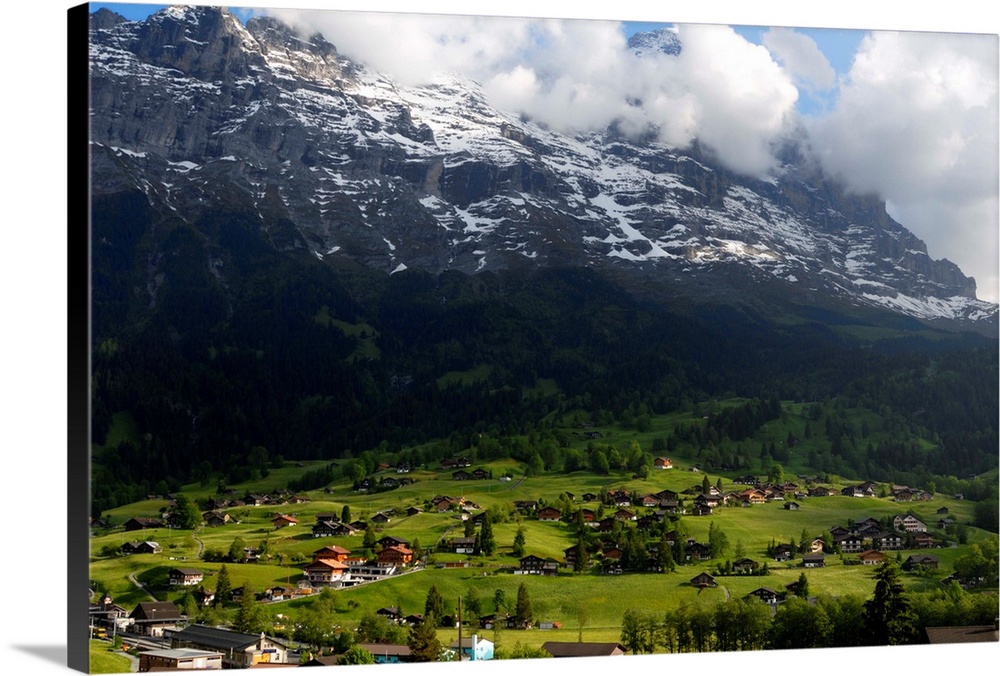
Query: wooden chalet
{"points": [[920, 560], [703, 580], [625, 515], [215, 519], [142, 523], [745, 565], [390, 613], [284, 521], [871, 557], [783, 552], [144, 547], [909, 523], [765, 594], [850, 543], [152, 618], [754, 496], [650, 501], [322, 572], [525, 506], [549, 514], [614, 553], [887, 541], [812, 560], [333, 552], [696, 551], [332, 528], [463, 545], [396, 555], [536, 565], [392, 541], [185, 576]]}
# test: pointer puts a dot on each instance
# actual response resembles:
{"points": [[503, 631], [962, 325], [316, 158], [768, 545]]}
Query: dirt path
{"points": [[131, 577]]}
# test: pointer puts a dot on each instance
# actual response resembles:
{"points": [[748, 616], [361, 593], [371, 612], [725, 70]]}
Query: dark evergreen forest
{"points": [[217, 344]]}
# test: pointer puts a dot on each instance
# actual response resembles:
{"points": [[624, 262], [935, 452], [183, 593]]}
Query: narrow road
{"points": [[131, 577], [133, 660]]}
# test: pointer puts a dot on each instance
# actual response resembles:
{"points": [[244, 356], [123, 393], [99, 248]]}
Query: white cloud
{"points": [[800, 55], [578, 75], [734, 98], [416, 48], [916, 123], [915, 120]]}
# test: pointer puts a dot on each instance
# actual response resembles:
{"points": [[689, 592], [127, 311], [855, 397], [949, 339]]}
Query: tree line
{"points": [[891, 616]]}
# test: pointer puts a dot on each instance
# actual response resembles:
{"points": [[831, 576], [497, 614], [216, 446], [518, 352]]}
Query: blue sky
{"points": [[837, 45]]}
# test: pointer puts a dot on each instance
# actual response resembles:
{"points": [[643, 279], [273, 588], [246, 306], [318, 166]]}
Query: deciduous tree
{"points": [[356, 655], [638, 632]]}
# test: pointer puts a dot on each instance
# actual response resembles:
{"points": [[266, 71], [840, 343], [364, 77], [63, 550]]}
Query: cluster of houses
{"points": [[870, 534], [334, 566], [192, 646]]}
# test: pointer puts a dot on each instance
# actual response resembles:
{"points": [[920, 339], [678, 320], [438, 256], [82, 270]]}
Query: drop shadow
{"points": [[57, 654]]}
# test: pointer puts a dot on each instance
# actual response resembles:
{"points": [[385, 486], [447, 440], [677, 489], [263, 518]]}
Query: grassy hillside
{"points": [[588, 604]]}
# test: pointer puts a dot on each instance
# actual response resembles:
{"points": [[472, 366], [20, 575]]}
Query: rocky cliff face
{"points": [[201, 113]]}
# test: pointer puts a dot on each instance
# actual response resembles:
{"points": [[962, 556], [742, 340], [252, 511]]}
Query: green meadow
{"points": [[103, 659], [586, 605]]}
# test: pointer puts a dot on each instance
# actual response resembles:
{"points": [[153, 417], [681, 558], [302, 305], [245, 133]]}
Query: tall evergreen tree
{"points": [[250, 617], [802, 587], [423, 641], [519, 542], [500, 602], [582, 558], [223, 587], [434, 606], [665, 555], [887, 617], [369, 540], [522, 610], [487, 542]]}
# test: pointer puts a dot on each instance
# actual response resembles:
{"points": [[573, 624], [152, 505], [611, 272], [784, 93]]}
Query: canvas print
{"points": [[417, 338]]}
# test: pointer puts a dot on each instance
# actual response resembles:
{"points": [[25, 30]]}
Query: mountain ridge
{"points": [[199, 112]]}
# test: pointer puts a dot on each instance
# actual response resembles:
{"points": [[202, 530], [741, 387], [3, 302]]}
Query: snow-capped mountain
{"points": [[201, 113]]}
